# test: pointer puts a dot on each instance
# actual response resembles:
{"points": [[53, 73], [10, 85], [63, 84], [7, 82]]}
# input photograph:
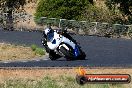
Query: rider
{"points": [[52, 54], [49, 30], [44, 40]]}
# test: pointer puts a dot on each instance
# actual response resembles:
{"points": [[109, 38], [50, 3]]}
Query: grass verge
{"points": [[54, 78], [48, 82], [9, 52], [38, 50]]}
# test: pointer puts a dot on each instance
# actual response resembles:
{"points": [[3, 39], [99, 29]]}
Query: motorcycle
{"points": [[61, 44]]}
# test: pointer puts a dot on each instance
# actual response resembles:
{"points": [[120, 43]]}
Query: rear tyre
{"points": [[82, 55]]}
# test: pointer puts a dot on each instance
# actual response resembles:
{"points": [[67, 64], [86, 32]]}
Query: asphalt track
{"points": [[100, 51]]}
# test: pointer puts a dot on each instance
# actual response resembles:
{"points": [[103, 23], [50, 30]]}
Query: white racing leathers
{"points": [[59, 39]]}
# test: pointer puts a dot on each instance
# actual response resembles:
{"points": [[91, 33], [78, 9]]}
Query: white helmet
{"points": [[47, 30]]}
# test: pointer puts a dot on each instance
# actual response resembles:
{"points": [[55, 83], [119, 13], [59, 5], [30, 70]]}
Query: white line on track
{"points": [[45, 59], [24, 61], [37, 60], [6, 62]]}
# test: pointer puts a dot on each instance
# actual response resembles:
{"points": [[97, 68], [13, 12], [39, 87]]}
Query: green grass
{"points": [[48, 82], [38, 50], [33, 47]]}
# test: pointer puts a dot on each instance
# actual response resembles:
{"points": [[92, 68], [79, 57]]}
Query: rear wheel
{"points": [[82, 55]]}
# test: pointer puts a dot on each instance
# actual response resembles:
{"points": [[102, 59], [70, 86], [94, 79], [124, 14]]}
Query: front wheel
{"points": [[66, 53], [53, 55], [69, 55]]}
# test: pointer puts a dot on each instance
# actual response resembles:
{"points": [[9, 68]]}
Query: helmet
{"points": [[47, 31]]}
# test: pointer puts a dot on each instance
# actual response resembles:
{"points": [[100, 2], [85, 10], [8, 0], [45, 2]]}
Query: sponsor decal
{"points": [[82, 77]]}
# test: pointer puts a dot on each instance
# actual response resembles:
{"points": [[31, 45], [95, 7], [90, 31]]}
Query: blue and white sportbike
{"points": [[59, 43]]}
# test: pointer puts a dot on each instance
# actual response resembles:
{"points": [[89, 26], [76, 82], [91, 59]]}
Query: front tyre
{"points": [[70, 56], [53, 55], [66, 53]]}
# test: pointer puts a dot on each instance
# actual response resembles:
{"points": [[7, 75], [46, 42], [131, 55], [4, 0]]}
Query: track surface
{"points": [[100, 51]]}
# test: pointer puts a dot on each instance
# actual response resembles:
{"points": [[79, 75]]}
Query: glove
{"points": [[59, 31], [44, 42]]}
